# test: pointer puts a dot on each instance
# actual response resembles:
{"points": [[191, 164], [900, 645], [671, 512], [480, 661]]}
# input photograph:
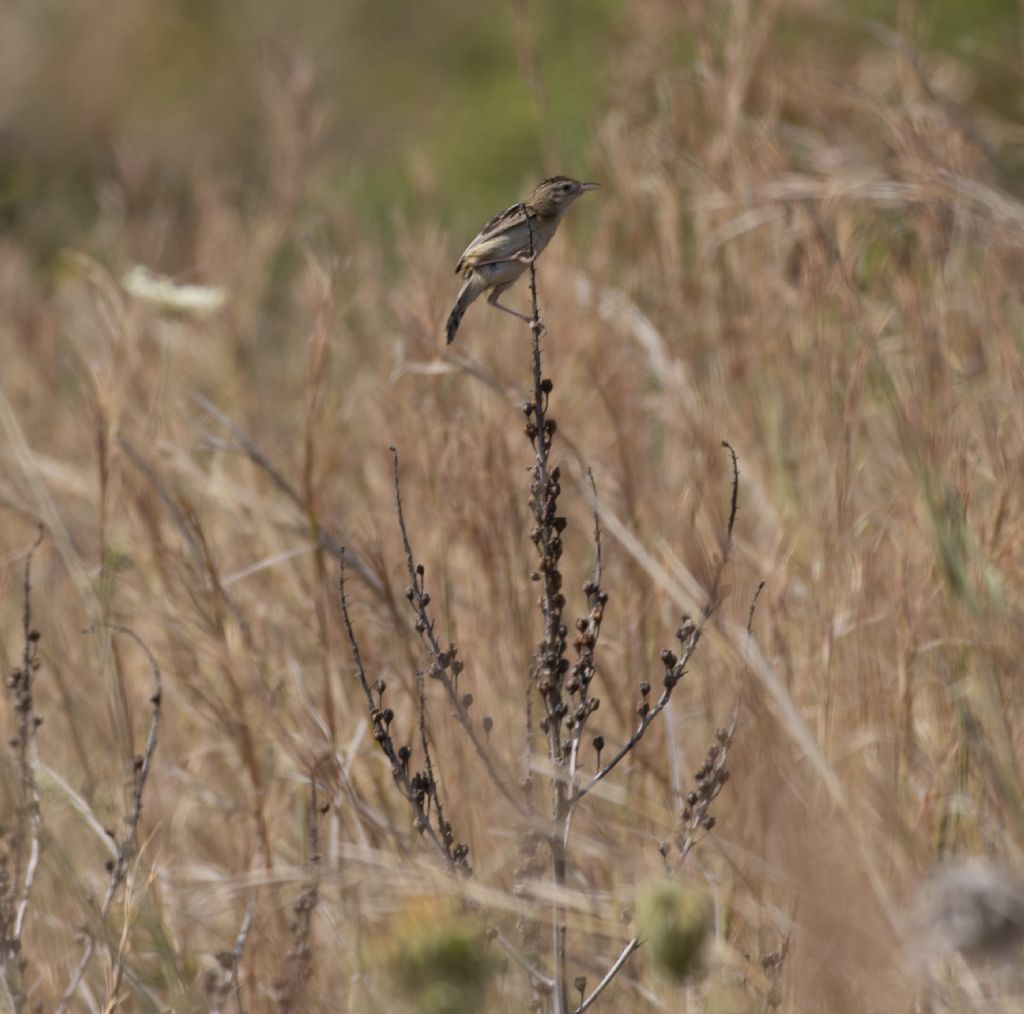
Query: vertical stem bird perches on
{"points": [[549, 662]]}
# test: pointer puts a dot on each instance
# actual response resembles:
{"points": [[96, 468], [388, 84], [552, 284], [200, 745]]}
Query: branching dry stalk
{"points": [[127, 846], [419, 788], [445, 666], [565, 690], [567, 698], [17, 877]]}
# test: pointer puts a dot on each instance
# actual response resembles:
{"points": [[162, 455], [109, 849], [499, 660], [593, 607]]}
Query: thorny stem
{"points": [[419, 789], [127, 846], [445, 667]]}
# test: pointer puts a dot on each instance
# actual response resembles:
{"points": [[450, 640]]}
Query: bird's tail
{"points": [[471, 288]]}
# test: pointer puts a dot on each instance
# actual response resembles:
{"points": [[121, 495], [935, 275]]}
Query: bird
{"points": [[500, 253]]}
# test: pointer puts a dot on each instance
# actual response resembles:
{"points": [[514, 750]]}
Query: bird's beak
{"points": [[590, 186]]}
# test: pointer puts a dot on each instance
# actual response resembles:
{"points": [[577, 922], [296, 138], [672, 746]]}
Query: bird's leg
{"points": [[493, 300]]}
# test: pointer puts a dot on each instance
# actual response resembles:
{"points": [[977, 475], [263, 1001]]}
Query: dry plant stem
{"points": [[27, 835], [421, 705], [319, 362], [696, 823], [585, 669], [419, 789], [689, 637], [127, 847], [324, 540], [549, 670], [537, 977], [291, 989], [234, 985], [231, 961], [689, 634], [444, 665], [239, 949], [609, 975]]}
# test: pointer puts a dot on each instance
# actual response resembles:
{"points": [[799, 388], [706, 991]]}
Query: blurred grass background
{"points": [[807, 242]]}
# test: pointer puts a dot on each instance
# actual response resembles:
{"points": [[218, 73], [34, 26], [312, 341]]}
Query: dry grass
{"points": [[821, 268]]}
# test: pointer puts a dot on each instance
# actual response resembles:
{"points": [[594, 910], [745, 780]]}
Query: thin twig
{"points": [[583, 672], [734, 506], [118, 867], [536, 976], [609, 975], [26, 837], [292, 987], [597, 528], [445, 666], [410, 786], [689, 635], [711, 779], [324, 540], [28, 797], [753, 606]]}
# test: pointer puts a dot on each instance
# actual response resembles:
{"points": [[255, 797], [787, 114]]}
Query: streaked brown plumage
{"points": [[500, 252]]}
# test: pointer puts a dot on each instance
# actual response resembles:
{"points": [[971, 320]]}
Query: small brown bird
{"points": [[500, 253]]}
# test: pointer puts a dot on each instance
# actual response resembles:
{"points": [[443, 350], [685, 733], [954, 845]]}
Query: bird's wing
{"points": [[500, 237]]}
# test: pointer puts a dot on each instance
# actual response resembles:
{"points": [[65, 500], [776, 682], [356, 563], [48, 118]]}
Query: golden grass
{"points": [[822, 270]]}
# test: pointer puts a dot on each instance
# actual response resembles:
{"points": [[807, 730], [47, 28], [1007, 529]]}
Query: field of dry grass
{"points": [[809, 243]]}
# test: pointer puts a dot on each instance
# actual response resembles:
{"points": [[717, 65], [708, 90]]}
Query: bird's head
{"points": [[553, 196]]}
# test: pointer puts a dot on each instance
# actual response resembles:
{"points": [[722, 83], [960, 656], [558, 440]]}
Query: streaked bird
{"points": [[500, 252]]}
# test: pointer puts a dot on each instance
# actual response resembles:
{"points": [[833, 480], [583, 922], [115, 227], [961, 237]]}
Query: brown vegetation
{"points": [[821, 267]]}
